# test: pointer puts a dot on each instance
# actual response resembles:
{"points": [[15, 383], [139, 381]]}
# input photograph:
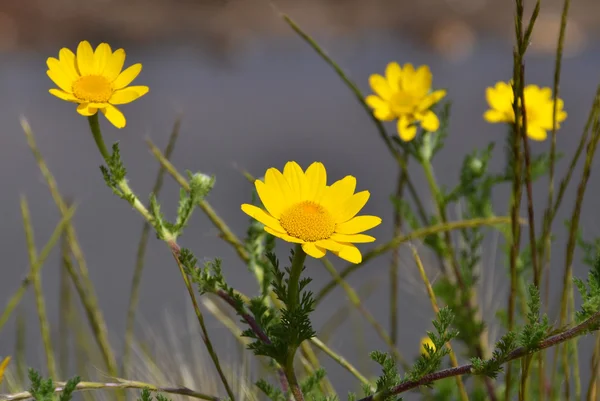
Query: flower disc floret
{"points": [[539, 108], [95, 79], [405, 95], [299, 207], [308, 221]]}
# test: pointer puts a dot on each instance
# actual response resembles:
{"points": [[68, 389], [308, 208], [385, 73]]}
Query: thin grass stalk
{"points": [[14, 301], [225, 232], [141, 251], [356, 302], [401, 239], [21, 347], [119, 384], [567, 286], [394, 265], [552, 341], [400, 160], [341, 361], [40, 301], [66, 309], [434, 305], [93, 311], [592, 390]]}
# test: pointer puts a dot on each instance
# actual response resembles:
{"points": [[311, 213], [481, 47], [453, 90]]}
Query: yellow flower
{"points": [[301, 208], [426, 340], [3, 366], [539, 106], [95, 79], [405, 94]]}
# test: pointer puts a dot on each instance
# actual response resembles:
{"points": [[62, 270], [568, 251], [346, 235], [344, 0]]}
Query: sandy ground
{"points": [[451, 27]]}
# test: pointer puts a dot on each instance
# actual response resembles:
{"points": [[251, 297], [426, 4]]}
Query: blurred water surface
{"points": [[271, 102]]}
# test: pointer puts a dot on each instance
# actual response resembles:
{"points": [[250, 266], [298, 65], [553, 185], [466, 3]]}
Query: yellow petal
{"points": [[500, 97], [128, 94], [68, 62], [380, 86], [283, 236], [262, 216], [393, 74], [114, 65], [114, 115], [61, 80], [85, 58], [316, 181], [536, 133], [102, 54], [352, 206], [358, 224], [431, 99], [350, 253], [495, 116], [352, 238], [64, 95], [420, 84], [338, 193], [86, 110], [406, 130], [312, 250], [295, 177], [429, 121], [127, 76], [381, 108], [3, 366], [271, 198], [276, 180], [329, 245], [57, 67]]}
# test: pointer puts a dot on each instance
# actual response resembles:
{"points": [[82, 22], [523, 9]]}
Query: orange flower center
{"points": [[93, 89], [308, 221]]}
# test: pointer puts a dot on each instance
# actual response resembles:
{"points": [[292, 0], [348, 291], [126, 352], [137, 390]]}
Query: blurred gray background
{"points": [[253, 95]]}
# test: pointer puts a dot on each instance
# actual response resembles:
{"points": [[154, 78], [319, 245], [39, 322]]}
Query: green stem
{"points": [[97, 134], [295, 272], [169, 238]]}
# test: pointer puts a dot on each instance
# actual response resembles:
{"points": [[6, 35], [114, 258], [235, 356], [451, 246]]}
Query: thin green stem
{"points": [[341, 361], [175, 250], [356, 302], [416, 234], [87, 293], [226, 233], [595, 369], [295, 272], [576, 331], [35, 267], [141, 250], [97, 134], [40, 301], [66, 308], [434, 305], [394, 265], [120, 384], [400, 160]]}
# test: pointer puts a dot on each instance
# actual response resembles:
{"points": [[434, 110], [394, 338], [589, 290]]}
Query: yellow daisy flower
{"points": [[3, 366], [301, 208], [405, 94], [426, 341], [95, 79], [539, 106]]}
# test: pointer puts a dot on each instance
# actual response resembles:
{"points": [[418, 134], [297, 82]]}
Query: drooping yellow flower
{"points": [[95, 79], [539, 107], [404, 94], [3, 366], [301, 208], [426, 341]]}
